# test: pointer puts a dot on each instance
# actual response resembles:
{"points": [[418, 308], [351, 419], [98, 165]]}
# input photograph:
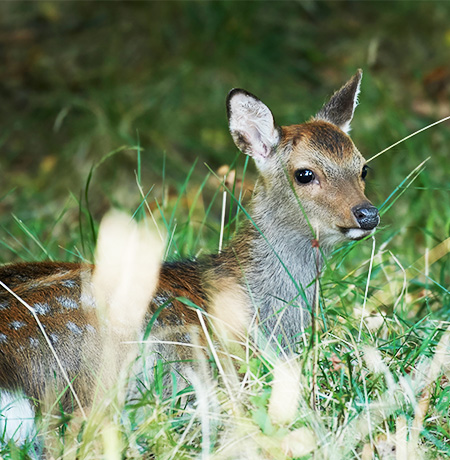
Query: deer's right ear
{"points": [[251, 125]]}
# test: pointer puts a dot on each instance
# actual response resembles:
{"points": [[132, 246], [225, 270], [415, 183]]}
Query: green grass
{"points": [[107, 104], [369, 373]]}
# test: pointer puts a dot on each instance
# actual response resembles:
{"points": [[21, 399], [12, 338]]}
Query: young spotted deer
{"points": [[310, 192]]}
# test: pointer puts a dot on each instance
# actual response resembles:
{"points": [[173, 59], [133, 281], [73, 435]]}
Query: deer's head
{"points": [[312, 177]]}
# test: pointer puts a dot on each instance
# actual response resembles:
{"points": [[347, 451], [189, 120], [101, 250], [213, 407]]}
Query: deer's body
{"points": [[311, 188], [61, 296]]}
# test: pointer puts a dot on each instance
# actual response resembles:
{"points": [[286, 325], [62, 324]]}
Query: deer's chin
{"points": [[356, 233]]}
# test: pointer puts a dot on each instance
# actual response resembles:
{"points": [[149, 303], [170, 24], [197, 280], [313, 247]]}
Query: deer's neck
{"points": [[279, 266]]}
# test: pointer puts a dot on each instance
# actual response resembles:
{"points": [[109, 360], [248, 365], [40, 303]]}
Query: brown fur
{"points": [[320, 136]]}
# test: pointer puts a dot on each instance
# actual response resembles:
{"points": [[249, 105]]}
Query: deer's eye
{"points": [[304, 176], [364, 172]]}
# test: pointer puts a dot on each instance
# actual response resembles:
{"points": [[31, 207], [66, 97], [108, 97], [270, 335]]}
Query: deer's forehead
{"points": [[321, 142]]}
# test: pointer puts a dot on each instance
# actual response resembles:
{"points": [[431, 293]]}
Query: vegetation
{"points": [[120, 105]]}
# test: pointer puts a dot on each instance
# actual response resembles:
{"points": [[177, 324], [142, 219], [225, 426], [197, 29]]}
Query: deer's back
{"points": [[66, 311], [61, 295]]}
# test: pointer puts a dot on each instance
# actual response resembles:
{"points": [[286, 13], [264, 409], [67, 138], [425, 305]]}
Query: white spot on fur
{"points": [[4, 305], [68, 303], [73, 327], [17, 417], [160, 300], [54, 338], [16, 325], [69, 283], [41, 308], [3, 338], [90, 329], [34, 342]]}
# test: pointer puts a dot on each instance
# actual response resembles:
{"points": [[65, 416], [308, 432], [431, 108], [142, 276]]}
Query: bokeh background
{"points": [[81, 80]]}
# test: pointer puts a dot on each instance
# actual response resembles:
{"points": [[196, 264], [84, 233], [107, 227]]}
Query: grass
{"points": [[370, 381], [119, 102]]}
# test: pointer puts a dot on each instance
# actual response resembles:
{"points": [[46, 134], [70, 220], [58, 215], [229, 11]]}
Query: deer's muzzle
{"points": [[367, 216]]}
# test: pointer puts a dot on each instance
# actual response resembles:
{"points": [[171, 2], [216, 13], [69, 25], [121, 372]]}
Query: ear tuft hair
{"points": [[340, 108], [252, 125]]}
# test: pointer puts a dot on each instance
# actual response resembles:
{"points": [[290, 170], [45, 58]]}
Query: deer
{"points": [[309, 196]]}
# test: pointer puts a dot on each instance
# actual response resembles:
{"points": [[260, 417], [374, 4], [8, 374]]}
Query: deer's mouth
{"points": [[356, 233]]}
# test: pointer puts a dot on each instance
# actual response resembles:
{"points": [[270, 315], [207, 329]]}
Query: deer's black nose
{"points": [[366, 216]]}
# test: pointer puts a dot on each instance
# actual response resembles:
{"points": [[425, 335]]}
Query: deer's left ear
{"points": [[252, 125], [340, 108]]}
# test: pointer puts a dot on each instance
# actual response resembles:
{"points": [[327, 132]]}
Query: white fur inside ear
{"points": [[252, 126], [346, 126]]}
